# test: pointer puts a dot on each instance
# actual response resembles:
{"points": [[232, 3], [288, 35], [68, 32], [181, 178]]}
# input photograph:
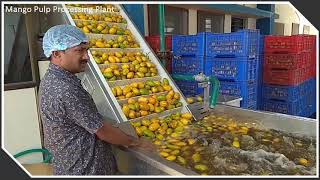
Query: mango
{"points": [[171, 158], [148, 133], [196, 157], [175, 152], [201, 167], [186, 115], [164, 154], [154, 126], [181, 160]]}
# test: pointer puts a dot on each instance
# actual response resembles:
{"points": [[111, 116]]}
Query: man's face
{"points": [[75, 59]]}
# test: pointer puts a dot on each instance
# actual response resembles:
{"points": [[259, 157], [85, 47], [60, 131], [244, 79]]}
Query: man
{"points": [[74, 131]]}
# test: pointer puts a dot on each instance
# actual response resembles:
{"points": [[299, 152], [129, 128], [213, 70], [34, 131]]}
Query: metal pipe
{"points": [[215, 84], [161, 31]]}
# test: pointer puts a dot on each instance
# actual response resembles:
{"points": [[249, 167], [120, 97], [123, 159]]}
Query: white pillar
{"points": [[251, 23], [227, 23], [192, 22], [145, 17]]}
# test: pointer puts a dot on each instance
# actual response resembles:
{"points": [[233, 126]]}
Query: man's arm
{"points": [[115, 136]]}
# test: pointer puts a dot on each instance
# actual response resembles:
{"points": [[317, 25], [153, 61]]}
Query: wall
{"points": [[135, 11], [21, 124], [287, 15]]}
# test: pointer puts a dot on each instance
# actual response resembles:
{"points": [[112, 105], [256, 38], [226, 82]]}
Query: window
{"points": [[17, 64], [237, 24], [208, 22], [278, 29], [295, 29], [176, 20]]}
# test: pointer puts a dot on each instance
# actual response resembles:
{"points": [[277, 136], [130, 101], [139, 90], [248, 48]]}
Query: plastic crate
{"points": [[261, 44], [191, 65], [236, 69], [241, 43], [260, 81], [284, 107], [245, 89], [189, 88], [287, 44], [289, 93], [189, 45], [154, 42], [285, 77], [287, 61]]}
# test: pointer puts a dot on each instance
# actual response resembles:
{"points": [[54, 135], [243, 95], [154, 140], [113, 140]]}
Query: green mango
{"points": [[148, 133], [165, 81], [161, 98], [144, 91], [150, 83]]}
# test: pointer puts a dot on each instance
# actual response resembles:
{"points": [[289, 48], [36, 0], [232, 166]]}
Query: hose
{"points": [[29, 151]]}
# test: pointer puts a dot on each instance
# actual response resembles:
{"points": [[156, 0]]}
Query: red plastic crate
{"points": [[154, 42], [288, 44], [287, 61], [286, 77]]}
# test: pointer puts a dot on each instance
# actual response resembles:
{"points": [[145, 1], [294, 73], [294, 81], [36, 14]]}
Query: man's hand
{"points": [[144, 144]]}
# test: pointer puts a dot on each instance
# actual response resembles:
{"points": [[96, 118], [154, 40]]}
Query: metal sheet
{"points": [[138, 162]]}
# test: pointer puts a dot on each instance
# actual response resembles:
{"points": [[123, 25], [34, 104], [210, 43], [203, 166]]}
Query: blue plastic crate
{"points": [[284, 107], [189, 44], [245, 89], [241, 43], [261, 45], [191, 65], [189, 88], [260, 81], [235, 69], [288, 93]]}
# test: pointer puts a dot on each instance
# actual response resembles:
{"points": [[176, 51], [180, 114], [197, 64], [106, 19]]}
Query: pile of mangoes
{"points": [[144, 106], [117, 42], [173, 144], [100, 28], [129, 71], [106, 17], [141, 88], [191, 100], [102, 57]]}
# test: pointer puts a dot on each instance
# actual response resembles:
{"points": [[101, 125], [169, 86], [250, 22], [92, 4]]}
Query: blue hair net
{"points": [[62, 37]]}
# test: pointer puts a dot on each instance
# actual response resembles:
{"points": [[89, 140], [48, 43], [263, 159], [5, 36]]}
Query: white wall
{"points": [[289, 15], [43, 66], [21, 124]]}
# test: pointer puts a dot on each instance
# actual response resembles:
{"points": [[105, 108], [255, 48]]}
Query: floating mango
{"points": [[171, 158], [196, 157], [181, 160], [201, 167]]}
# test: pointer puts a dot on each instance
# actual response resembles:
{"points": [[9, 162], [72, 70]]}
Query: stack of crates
{"points": [[154, 43], [230, 57], [260, 73], [289, 75], [189, 59]]}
